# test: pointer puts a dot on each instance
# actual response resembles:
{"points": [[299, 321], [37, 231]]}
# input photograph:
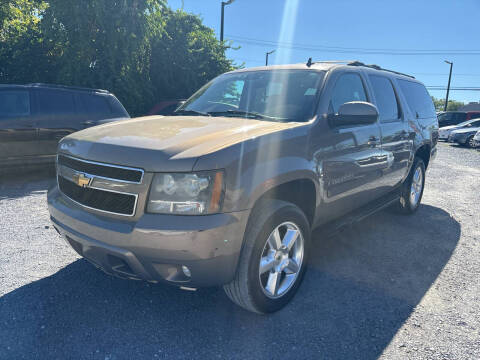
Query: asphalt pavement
{"points": [[391, 287]]}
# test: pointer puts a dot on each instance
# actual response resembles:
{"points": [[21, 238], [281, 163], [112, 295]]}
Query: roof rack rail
{"points": [[310, 62], [376, 67], [67, 87]]}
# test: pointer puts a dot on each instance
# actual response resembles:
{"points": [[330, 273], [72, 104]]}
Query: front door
{"points": [[349, 160]]}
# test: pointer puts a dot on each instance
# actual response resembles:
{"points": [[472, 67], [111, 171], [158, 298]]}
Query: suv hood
{"points": [[158, 143]]}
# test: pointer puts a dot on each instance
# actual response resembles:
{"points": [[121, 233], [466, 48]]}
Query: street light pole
{"points": [[228, 2], [266, 56], [448, 86]]}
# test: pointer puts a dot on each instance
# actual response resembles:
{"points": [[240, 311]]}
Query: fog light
{"points": [[186, 271]]}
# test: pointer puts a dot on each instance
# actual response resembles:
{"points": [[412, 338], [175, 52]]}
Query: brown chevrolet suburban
{"points": [[227, 191]]}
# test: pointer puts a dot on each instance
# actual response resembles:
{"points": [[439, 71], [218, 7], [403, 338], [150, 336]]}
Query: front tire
{"points": [[412, 189], [470, 142], [273, 258]]}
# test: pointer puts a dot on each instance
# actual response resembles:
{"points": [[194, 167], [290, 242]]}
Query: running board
{"points": [[355, 216]]}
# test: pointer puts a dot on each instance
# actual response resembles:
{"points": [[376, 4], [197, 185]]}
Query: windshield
{"points": [[281, 95]]}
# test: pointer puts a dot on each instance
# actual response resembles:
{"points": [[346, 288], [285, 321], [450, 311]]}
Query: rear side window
{"points": [[14, 103], [55, 102], [349, 87], [418, 99], [385, 98], [95, 106]]}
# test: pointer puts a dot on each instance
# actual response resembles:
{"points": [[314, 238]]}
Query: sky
{"points": [[413, 37]]}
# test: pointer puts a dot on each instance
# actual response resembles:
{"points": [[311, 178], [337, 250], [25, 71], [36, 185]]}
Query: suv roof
{"points": [[325, 65], [54, 86]]}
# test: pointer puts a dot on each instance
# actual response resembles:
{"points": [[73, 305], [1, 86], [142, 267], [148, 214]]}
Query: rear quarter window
{"points": [[95, 106], [14, 103], [418, 99]]}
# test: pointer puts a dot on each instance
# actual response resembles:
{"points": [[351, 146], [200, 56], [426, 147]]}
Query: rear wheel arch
{"points": [[423, 152]]}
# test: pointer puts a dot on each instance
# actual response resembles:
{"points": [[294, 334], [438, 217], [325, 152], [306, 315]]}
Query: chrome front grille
{"points": [[99, 186]]}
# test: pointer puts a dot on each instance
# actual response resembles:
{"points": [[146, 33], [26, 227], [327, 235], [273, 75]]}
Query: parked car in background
{"points": [[227, 191], [448, 118], [166, 107], [476, 139], [464, 136], [444, 132], [34, 117]]}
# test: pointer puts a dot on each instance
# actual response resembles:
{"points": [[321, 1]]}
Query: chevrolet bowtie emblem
{"points": [[82, 180]]}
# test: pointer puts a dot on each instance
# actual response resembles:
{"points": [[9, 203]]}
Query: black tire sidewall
{"points": [[290, 213], [418, 163]]}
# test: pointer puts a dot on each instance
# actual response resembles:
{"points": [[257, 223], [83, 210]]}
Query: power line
{"points": [[353, 48], [342, 50]]}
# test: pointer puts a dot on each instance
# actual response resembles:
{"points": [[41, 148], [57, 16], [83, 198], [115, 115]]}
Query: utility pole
{"points": [[228, 2], [448, 86], [266, 56]]}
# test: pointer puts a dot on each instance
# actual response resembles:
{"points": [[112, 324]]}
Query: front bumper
{"points": [[154, 247]]}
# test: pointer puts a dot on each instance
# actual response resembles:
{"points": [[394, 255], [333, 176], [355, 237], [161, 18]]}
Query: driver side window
{"points": [[349, 87]]}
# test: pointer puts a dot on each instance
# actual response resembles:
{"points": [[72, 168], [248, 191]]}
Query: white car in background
{"points": [[444, 132], [476, 139]]}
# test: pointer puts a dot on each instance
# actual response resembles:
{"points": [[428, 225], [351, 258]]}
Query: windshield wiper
{"points": [[190, 112], [249, 114]]}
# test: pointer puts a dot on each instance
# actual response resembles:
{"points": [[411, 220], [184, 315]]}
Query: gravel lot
{"points": [[391, 287]]}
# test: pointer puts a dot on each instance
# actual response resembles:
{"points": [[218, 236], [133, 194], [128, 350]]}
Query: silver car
{"points": [[444, 132]]}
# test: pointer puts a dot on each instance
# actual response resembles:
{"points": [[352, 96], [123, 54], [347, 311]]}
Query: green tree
{"points": [[453, 105], [140, 50], [186, 56]]}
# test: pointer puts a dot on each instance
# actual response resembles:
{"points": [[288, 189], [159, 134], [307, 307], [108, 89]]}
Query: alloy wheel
{"points": [[281, 260], [417, 185]]}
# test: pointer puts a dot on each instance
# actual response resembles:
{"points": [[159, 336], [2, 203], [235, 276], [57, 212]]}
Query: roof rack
{"points": [[376, 67], [67, 87], [355, 63]]}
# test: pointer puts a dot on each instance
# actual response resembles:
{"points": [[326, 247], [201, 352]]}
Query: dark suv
{"points": [[34, 117], [228, 191]]}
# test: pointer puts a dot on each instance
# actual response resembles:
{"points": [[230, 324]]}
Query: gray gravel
{"points": [[391, 287]]}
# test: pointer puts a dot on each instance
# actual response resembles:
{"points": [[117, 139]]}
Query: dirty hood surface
{"points": [[157, 143]]}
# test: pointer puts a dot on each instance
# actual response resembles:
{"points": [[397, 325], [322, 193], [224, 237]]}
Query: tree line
{"points": [[140, 50]]}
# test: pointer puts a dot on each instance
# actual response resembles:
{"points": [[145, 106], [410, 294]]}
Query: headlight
{"points": [[186, 193]]}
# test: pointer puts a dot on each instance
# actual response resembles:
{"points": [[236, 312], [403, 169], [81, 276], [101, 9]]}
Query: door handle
{"points": [[372, 141]]}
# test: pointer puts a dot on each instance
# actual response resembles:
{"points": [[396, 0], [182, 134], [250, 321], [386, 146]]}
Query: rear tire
{"points": [[412, 189], [273, 259]]}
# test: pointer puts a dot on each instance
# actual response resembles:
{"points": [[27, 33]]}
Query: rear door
{"points": [[57, 117], [18, 132], [395, 136]]}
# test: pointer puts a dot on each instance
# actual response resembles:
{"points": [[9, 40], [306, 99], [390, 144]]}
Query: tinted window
{"points": [[385, 98], [418, 99], [349, 87], [95, 105], [55, 102], [14, 103], [117, 108]]}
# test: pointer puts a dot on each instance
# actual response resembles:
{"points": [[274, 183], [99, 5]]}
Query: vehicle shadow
{"points": [[16, 183], [361, 286]]}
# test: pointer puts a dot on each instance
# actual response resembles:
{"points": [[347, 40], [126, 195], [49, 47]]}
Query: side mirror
{"points": [[355, 113], [468, 125]]}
